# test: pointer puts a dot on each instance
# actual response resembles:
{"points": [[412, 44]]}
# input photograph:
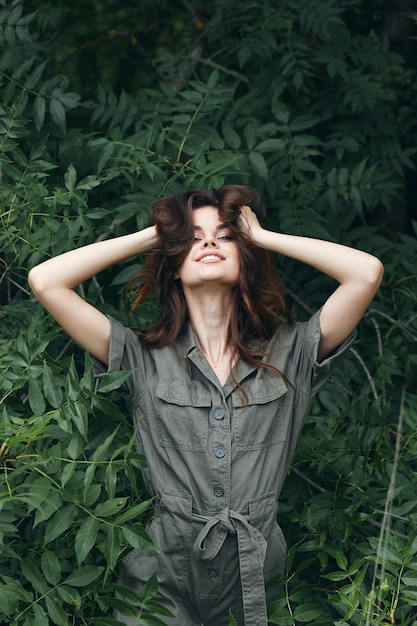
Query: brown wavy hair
{"points": [[259, 296]]}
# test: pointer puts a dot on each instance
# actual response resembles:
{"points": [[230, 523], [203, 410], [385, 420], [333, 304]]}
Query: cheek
{"points": [[182, 267]]}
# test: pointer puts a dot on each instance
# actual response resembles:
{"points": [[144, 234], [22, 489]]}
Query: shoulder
{"points": [[289, 334], [294, 351]]}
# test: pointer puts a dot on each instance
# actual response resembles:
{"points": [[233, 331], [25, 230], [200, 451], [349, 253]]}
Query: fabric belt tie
{"points": [[251, 548]]}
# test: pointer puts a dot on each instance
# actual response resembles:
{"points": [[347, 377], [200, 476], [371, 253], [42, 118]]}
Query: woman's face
{"points": [[214, 255]]}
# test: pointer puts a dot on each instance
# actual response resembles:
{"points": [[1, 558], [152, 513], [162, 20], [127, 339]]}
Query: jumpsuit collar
{"points": [[189, 347]]}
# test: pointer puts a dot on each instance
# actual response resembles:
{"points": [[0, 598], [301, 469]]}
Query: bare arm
{"points": [[53, 283], [358, 273]]}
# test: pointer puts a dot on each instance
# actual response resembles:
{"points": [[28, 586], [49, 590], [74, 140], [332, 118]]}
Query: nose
{"points": [[210, 242]]}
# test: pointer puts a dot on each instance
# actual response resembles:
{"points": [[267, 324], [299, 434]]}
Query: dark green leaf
{"points": [[58, 114], [51, 567], [51, 388], [112, 381], [84, 576], [85, 539], [36, 398], [259, 164]]}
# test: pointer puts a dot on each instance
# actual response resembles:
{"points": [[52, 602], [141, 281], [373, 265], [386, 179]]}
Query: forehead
{"points": [[205, 215]]}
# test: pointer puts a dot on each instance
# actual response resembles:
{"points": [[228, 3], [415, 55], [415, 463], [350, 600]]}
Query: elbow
{"points": [[35, 280], [373, 274], [377, 271]]}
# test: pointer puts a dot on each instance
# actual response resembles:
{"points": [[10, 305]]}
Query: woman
{"points": [[220, 388]]}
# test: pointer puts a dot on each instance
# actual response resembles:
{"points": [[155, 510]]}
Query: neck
{"points": [[209, 316]]}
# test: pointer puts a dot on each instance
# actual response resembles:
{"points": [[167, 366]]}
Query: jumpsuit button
{"points": [[218, 491], [212, 572], [220, 452], [219, 414]]}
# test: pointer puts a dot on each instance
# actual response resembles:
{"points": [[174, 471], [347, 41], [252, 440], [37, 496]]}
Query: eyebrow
{"points": [[218, 227]]}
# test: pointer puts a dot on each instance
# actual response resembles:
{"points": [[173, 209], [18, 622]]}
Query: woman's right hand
{"points": [[53, 283]]}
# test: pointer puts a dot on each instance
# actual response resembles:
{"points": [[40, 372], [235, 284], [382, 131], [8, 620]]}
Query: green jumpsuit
{"points": [[217, 463]]}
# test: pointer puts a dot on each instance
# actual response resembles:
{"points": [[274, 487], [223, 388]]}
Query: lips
{"points": [[207, 258]]}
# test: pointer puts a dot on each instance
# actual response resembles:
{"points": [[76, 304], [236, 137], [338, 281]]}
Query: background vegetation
{"points": [[106, 106]]}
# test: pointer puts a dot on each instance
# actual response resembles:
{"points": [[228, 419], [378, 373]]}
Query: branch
{"points": [[367, 372], [223, 69], [400, 325]]}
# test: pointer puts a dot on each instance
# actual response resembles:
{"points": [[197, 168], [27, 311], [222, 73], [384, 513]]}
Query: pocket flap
{"points": [[184, 393], [265, 388]]}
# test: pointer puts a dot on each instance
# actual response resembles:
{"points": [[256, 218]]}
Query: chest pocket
{"points": [[260, 422], [183, 408]]}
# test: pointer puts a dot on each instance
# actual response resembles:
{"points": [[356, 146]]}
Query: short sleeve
{"points": [[311, 340], [126, 353]]}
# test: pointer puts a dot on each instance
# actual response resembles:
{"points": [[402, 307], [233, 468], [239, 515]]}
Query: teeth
{"points": [[210, 257]]}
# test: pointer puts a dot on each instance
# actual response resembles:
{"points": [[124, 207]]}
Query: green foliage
{"points": [[320, 119]]}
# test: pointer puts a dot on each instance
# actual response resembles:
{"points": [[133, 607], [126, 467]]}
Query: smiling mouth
{"points": [[207, 258]]}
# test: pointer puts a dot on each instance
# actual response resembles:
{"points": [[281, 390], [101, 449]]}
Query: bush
{"points": [[317, 118]]}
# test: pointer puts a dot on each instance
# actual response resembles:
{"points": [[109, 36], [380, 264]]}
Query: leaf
{"points": [[79, 416], [60, 522], [232, 621], [72, 385], [75, 446], [33, 575], [38, 149], [281, 113], [89, 182], [91, 494], [67, 473], [112, 546], [113, 380], [358, 171], [100, 452], [51, 388], [69, 595], [134, 512], [85, 538], [109, 508], [51, 567], [271, 145], [336, 576], [231, 137], [110, 480], [303, 122], [68, 99], [56, 611], [70, 177], [14, 15], [105, 621], [63, 419], [308, 613], [282, 617], [343, 176], [33, 78], [251, 133], [36, 399], [137, 537], [84, 576], [213, 79], [41, 618], [341, 560], [150, 588], [259, 164], [58, 114]]}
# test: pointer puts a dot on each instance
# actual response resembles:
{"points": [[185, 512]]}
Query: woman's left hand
{"points": [[249, 222]]}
